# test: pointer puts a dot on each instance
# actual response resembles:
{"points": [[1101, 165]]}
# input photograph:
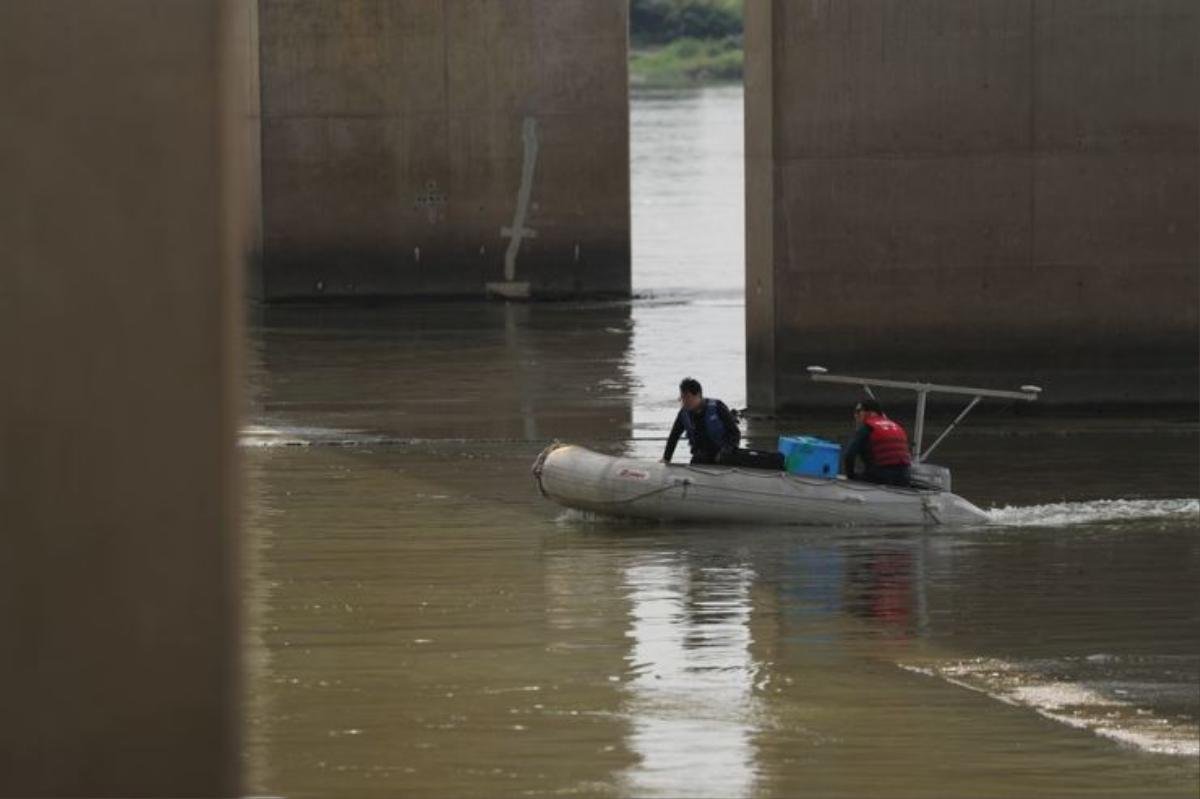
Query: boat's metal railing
{"points": [[1026, 393]]}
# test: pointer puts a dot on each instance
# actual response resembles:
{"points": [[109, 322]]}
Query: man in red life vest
{"points": [[881, 444]]}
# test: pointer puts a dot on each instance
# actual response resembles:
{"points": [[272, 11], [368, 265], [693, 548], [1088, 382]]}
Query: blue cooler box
{"points": [[810, 457]]}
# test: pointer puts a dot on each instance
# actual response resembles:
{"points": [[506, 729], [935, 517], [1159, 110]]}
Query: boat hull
{"points": [[579, 478]]}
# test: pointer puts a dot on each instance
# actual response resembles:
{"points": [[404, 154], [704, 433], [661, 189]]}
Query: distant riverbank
{"points": [[685, 42], [687, 61]]}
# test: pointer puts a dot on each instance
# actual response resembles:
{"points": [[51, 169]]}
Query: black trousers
{"points": [[887, 475]]}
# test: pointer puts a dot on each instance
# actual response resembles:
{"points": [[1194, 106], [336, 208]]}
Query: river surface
{"points": [[420, 622]]}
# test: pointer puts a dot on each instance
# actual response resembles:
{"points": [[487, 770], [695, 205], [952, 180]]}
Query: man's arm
{"points": [[673, 439], [856, 447]]}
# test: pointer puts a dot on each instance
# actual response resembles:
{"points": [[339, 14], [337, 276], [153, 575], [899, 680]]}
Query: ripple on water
{"points": [[1068, 690]]}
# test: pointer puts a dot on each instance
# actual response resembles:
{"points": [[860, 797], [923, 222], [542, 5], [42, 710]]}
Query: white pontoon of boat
{"points": [[579, 478]]}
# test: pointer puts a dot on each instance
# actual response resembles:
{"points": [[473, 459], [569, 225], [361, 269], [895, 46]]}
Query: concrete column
{"points": [[759, 121], [123, 217], [1000, 191], [431, 147]]}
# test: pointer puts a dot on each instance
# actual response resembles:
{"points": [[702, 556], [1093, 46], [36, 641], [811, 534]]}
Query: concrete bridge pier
{"points": [[124, 220], [997, 192], [431, 148]]}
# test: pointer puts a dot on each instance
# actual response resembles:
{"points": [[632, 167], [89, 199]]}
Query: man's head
{"points": [[690, 393], [865, 407]]}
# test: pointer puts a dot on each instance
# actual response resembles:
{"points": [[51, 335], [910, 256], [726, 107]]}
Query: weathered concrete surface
{"points": [[1000, 191], [123, 221], [395, 134]]}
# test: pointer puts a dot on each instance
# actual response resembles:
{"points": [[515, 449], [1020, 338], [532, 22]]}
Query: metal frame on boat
{"points": [[1027, 393]]}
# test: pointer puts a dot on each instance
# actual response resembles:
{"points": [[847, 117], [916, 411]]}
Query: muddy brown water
{"points": [[420, 622]]}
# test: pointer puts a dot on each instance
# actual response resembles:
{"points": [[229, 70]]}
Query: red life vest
{"points": [[888, 443]]}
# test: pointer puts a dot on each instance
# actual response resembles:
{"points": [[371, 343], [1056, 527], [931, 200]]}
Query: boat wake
{"points": [[1102, 694], [1061, 514], [573, 517], [259, 435]]}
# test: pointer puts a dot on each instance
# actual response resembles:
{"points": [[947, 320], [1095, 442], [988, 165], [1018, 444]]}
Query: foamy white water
{"points": [[258, 435], [1061, 514], [1073, 703]]}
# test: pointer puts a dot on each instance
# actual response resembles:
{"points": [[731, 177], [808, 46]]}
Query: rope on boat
{"points": [[637, 497], [790, 479], [540, 464], [929, 510]]}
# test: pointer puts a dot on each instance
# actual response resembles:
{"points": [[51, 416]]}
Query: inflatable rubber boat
{"points": [[579, 478]]}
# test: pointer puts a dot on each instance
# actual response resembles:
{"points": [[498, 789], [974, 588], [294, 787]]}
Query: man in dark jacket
{"points": [[711, 430], [881, 444]]}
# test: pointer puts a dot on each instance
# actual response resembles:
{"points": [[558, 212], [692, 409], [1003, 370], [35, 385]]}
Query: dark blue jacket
{"points": [[709, 431]]}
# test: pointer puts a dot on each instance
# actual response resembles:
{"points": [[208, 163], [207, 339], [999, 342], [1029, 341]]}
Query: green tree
{"points": [[662, 21]]}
